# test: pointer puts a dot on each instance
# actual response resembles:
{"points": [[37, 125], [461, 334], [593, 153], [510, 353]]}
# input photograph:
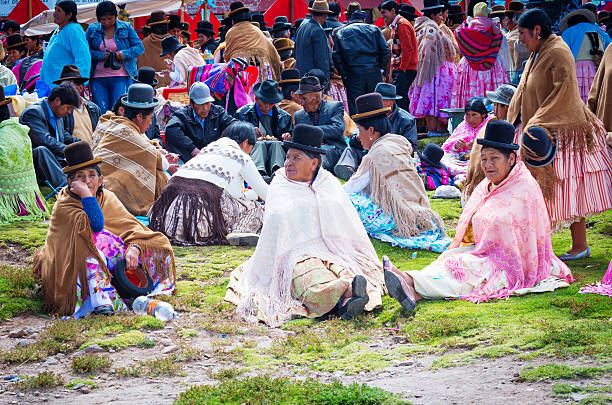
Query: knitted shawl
{"points": [[479, 47], [69, 243], [600, 97], [433, 47], [396, 186]]}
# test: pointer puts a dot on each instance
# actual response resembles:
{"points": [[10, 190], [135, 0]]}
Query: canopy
{"points": [[86, 14]]}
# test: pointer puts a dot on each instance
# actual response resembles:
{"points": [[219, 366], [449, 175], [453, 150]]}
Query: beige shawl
{"points": [[600, 97], [450, 55], [396, 186], [434, 47], [186, 58], [150, 57]]}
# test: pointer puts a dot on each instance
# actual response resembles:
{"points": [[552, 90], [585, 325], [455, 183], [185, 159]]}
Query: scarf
{"points": [[69, 243], [302, 221], [131, 165], [600, 101], [247, 41], [186, 58], [548, 97], [433, 46], [396, 186], [465, 132], [479, 47], [512, 231], [150, 57], [451, 55], [19, 194]]}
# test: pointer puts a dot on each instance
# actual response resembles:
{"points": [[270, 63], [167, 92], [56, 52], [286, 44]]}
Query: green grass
{"points": [[79, 382], [554, 371], [19, 291], [45, 379], [264, 390], [91, 362]]}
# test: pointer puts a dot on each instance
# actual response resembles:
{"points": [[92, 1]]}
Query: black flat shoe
{"points": [[359, 286], [104, 310], [394, 286], [353, 307]]}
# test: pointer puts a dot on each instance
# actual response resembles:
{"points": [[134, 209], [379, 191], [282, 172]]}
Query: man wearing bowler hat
{"points": [[272, 125], [206, 36], [289, 84]]}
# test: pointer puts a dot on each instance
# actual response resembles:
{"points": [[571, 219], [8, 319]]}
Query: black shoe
{"points": [[242, 239], [344, 172], [353, 307], [359, 286], [394, 286], [104, 310]]}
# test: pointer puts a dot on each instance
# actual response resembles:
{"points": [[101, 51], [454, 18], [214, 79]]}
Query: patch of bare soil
{"points": [[14, 255]]}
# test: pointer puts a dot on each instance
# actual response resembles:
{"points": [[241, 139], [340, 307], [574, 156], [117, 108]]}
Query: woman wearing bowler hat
{"points": [[433, 172], [502, 245], [313, 256]]}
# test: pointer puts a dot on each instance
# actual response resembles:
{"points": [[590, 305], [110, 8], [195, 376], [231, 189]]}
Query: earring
{"points": [[539, 37]]}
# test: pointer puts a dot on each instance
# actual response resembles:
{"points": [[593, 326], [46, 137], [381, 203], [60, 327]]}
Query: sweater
{"points": [[66, 47]]}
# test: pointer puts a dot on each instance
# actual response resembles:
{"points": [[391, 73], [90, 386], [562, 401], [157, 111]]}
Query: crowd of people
{"points": [[301, 139]]}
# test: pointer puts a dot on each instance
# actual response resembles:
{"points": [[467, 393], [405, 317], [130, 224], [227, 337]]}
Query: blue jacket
{"points": [[360, 46], [331, 121], [312, 49], [66, 47], [127, 42], [281, 120]]}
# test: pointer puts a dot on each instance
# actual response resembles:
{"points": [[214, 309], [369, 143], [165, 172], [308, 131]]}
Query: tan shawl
{"points": [[150, 57], [451, 55], [131, 165], [246, 41], [186, 58], [475, 174], [395, 185], [433, 49], [548, 97], [600, 97], [69, 243], [291, 107]]}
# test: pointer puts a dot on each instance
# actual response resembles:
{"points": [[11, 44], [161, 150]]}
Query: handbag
{"points": [[111, 61]]}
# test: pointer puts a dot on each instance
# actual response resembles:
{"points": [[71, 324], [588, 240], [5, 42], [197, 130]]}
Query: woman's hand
{"points": [[119, 56], [106, 53], [163, 73], [470, 144], [460, 144], [80, 188], [131, 257], [172, 158]]}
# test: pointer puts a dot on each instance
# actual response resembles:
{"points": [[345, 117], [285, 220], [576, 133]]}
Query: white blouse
{"points": [[357, 184]]}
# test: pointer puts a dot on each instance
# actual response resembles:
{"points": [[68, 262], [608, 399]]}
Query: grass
{"points": [[264, 390], [554, 371], [45, 379], [90, 362], [19, 291], [79, 382]]}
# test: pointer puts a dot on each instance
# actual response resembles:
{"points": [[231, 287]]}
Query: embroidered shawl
{"points": [[302, 221], [512, 231], [131, 165], [465, 132], [600, 97], [69, 243], [433, 47], [150, 57], [396, 186]]}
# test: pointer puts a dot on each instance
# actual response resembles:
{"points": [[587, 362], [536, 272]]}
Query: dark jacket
{"points": [[402, 123], [332, 22], [281, 120], [211, 45], [312, 49], [184, 133], [42, 133], [94, 116], [360, 47], [153, 131], [331, 121]]}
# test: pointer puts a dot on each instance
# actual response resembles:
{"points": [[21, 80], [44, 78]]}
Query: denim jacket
{"points": [[127, 42]]}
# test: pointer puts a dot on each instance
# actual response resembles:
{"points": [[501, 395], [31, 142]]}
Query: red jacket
{"points": [[404, 48]]}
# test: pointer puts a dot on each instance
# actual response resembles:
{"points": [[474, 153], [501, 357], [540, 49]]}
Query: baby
{"points": [[481, 20]]}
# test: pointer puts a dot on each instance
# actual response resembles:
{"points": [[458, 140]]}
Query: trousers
{"points": [[402, 81]]}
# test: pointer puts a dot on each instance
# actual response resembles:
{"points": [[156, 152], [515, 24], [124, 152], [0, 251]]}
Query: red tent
{"points": [[193, 22], [293, 9], [21, 13]]}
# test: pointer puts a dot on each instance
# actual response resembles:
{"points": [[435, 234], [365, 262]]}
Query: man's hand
{"points": [[195, 152], [173, 168], [172, 158], [79, 188], [259, 134], [286, 136], [131, 257]]}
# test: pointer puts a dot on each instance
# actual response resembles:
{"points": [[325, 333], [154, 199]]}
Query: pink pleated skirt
{"points": [[470, 83], [434, 95], [585, 73]]}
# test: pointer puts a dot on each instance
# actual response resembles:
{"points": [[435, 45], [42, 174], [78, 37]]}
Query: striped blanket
{"points": [[479, 48], [221, 77]]}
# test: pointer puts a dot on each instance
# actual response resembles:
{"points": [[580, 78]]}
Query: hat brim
{"points": [[544, 162], [74, 79], [238, 11], [285, 48], [497, 145], [429, 162], [314, 10], [205, 100], [140, 106], [563, 25], [69, 169], [370, 114], [11, 46], [177, 48], [312, 149], [493, 97], [316, 90], [210, 33], [157, 23], [153, 84], [440, 7], [499, 13], [391, 98]]}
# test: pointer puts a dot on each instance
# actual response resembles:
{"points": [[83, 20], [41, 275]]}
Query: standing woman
{"points": [[67, 45], [433, 87], [577, 183], [111, 74]]}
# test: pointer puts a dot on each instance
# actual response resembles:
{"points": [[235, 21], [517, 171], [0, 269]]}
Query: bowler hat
{"points": [[146, 75], [290, 77], [497, 10], [174, 21], [539, 147], [14, 41], [281, 19], [3, 99], [502, 95], [268, 91], [157, 17], [307, 138], [72, 73], [432, 155], [309, 84], [588, 14], [205, 27], [368, 106], [237, 7], [283, 44], [455, 10], [140, 96], [320, 7], [515, 7], [408, 12], [388, 91], [259, 18], [79, 155], [170, 44], [498, 134], [430, 5], [352, 7], [280, 26], [603, 16]]}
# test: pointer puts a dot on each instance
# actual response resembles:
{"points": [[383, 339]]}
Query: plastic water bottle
{"points": [[208, 57], [159, 309]]}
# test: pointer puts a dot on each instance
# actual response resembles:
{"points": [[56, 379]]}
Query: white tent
{"points": [[86, 14]]}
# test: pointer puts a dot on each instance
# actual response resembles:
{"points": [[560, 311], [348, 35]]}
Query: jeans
{"points": [[402, 81], [106, 90], [360, 82], [47, 167]]}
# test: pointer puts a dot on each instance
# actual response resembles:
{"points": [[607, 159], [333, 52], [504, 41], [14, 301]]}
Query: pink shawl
{"points": [[512, 231], [465, 132]]}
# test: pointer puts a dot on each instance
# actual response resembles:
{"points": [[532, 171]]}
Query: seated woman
{"points": [[313, 254], [90, 235], [206, 198], [502, 245], [19, 194], [387, 190], [134, 166], [458, 146], [431, 170]]}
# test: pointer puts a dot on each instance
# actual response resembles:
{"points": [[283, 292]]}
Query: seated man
{"points": [[183, 57], [295, 270], [272, 125], [290, 79], [327, 115], [194, 126], [402, 123], [48, 134], [284, 47], [82, 120]]}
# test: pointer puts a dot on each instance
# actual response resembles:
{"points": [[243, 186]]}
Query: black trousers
{"points": [[359, 82], [47, 167], [402, 81]]}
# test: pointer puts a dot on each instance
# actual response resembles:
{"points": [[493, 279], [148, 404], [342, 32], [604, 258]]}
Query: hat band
{"points": [[370, 113], [15, 45], [69, 169], [158, 22], [289, 81], [238, 10]]}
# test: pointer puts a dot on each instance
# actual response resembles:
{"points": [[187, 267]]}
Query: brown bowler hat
{"points": [[78, 156], [72, 73], [369, 105]]}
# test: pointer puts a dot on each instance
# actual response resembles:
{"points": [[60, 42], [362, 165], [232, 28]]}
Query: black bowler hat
{"points": [[429, 5], [368, 106], [499, 134], [14, 41], [146, 75], [281, 19], [539, 147], [388, 91], [268, 91], [432, 155], [307, 138], [259, 18], [289, 77], [79, 155], [170, 44], [309, 84], [174, 21], [280, 26], [205, 27]]}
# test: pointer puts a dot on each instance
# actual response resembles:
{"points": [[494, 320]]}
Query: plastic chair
{"points": [[54, 190]]}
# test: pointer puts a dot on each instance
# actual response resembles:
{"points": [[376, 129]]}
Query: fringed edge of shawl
{"points": [[11, 204], [159, 256], [409, 221], [577, 137]]}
